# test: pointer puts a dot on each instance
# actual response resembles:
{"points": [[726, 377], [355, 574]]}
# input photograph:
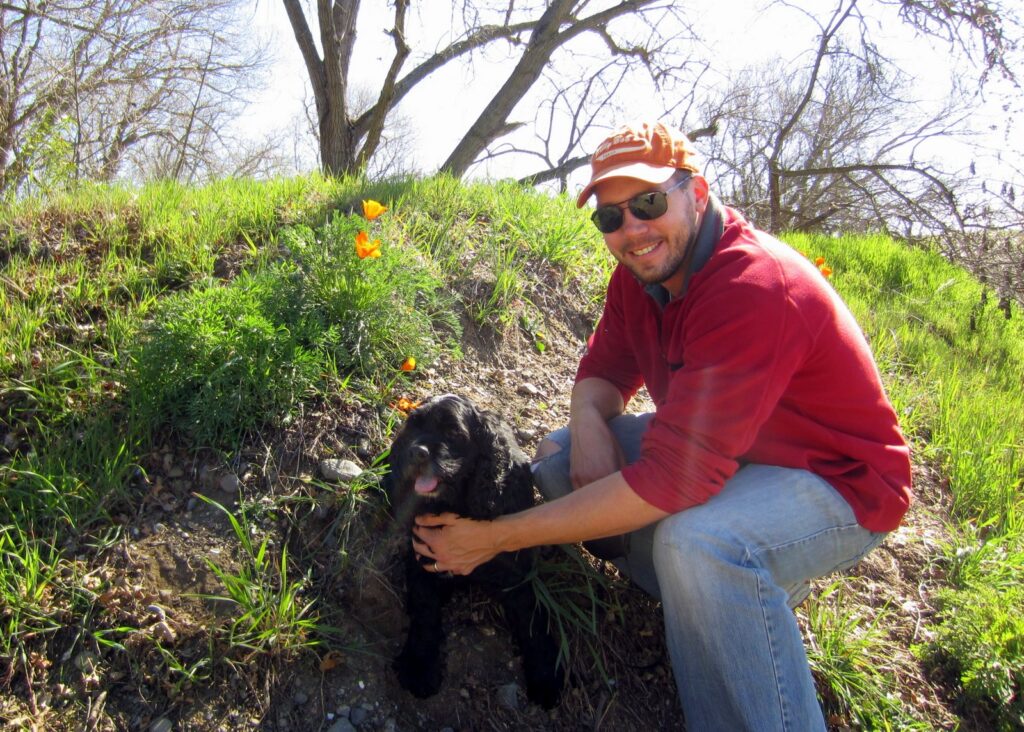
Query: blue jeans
{"points": [[728, 573]]}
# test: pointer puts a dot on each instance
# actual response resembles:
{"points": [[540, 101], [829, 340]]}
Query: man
{"points": [[773, 455]]}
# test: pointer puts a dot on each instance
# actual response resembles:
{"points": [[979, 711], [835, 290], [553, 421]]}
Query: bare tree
{"points": [[538, 33], [840, 142], [850, 160], [122, 81]]}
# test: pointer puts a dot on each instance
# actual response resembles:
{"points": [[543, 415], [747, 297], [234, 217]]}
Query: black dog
{"points": [[451, 456]]}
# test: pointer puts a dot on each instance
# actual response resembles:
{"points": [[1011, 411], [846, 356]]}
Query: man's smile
{"points": [[644, 251]]}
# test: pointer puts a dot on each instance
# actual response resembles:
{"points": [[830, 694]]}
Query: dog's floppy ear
{"points": [[501, 481]]}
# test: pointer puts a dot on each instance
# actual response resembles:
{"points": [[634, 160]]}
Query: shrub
{"points": [[375, 308], [982, 636], [222, 360], [216, 362]]}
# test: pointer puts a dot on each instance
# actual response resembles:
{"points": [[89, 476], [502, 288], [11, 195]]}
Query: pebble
{"points": [[342, 725], [161, 725], [300, 698], [230, 483], [343, 471], [358, 715], [508, 696], [164, 632]]}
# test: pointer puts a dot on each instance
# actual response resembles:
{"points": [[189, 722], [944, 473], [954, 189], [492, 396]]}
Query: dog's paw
{"points": [[418, 674]]}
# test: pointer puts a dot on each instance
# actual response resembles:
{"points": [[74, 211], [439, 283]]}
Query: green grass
{"points": [[215, 315], [272, 616], [954, 367], [848, 654]]}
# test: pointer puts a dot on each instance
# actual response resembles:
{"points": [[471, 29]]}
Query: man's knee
{"points": [[690, 550], [546, 448], [551, 470]]}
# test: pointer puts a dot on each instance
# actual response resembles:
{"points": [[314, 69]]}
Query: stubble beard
{"points": [[679, 258]]}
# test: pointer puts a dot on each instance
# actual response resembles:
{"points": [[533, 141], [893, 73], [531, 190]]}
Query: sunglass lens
{"points": [[648, 206], [645, 207], [607, 218]]}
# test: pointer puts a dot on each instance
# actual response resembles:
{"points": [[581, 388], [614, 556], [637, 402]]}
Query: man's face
{"points": [[656, 250]]}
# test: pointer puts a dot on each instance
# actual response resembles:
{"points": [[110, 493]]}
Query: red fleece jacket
{"points": [[759, 362]]}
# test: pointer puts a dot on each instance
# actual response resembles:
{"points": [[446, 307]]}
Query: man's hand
{"points": [[457, 545]]}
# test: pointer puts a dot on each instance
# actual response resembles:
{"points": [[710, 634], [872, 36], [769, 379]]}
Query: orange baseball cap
{"points": [[647, 152]]}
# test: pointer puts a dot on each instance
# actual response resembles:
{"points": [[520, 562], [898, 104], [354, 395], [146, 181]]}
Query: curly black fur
{"points": [[451, 456]]}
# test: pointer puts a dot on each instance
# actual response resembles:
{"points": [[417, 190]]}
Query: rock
{"points": [[299, 698], [528, 389], [508, 696], [343, 471], [342, 725], [161, 725], [525, 435], [164, 632], [358, 715], [230, 483]]}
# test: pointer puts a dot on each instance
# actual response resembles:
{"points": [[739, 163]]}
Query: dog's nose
{"points": [[419, 454]]}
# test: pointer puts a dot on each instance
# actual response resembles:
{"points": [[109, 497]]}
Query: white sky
{"points": [[737, 32]]}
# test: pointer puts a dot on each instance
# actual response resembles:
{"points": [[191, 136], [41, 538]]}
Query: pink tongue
{"points": [[425, 485]]}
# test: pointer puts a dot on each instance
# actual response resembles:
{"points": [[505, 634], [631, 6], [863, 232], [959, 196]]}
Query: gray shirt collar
{"points": [[711, 229]]}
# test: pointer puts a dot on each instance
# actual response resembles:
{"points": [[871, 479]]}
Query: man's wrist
{"points": [[504, 532]]}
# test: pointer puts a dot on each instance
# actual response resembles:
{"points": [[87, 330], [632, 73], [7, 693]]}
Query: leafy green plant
{"points": [[375, 310], [217, 362], [981, 633]]}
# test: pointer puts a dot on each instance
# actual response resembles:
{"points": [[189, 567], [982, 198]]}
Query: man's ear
{"points": [[699, 186]]}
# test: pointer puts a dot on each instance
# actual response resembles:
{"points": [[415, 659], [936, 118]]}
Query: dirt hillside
{"points": [[158, 582]]}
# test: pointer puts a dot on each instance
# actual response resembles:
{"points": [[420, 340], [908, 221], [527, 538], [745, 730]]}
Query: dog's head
{"points": [[452, 456]]}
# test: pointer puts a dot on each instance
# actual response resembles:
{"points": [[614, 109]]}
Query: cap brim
{"points": [[655, 174]]}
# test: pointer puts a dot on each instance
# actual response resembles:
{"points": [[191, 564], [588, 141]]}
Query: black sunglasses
{"points": [[646, 206]]}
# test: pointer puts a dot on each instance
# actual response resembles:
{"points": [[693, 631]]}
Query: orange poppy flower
{"points": [[366, 248], [405, 405], [819, 261], [827, 271], [372, 209], [408, 364]]}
